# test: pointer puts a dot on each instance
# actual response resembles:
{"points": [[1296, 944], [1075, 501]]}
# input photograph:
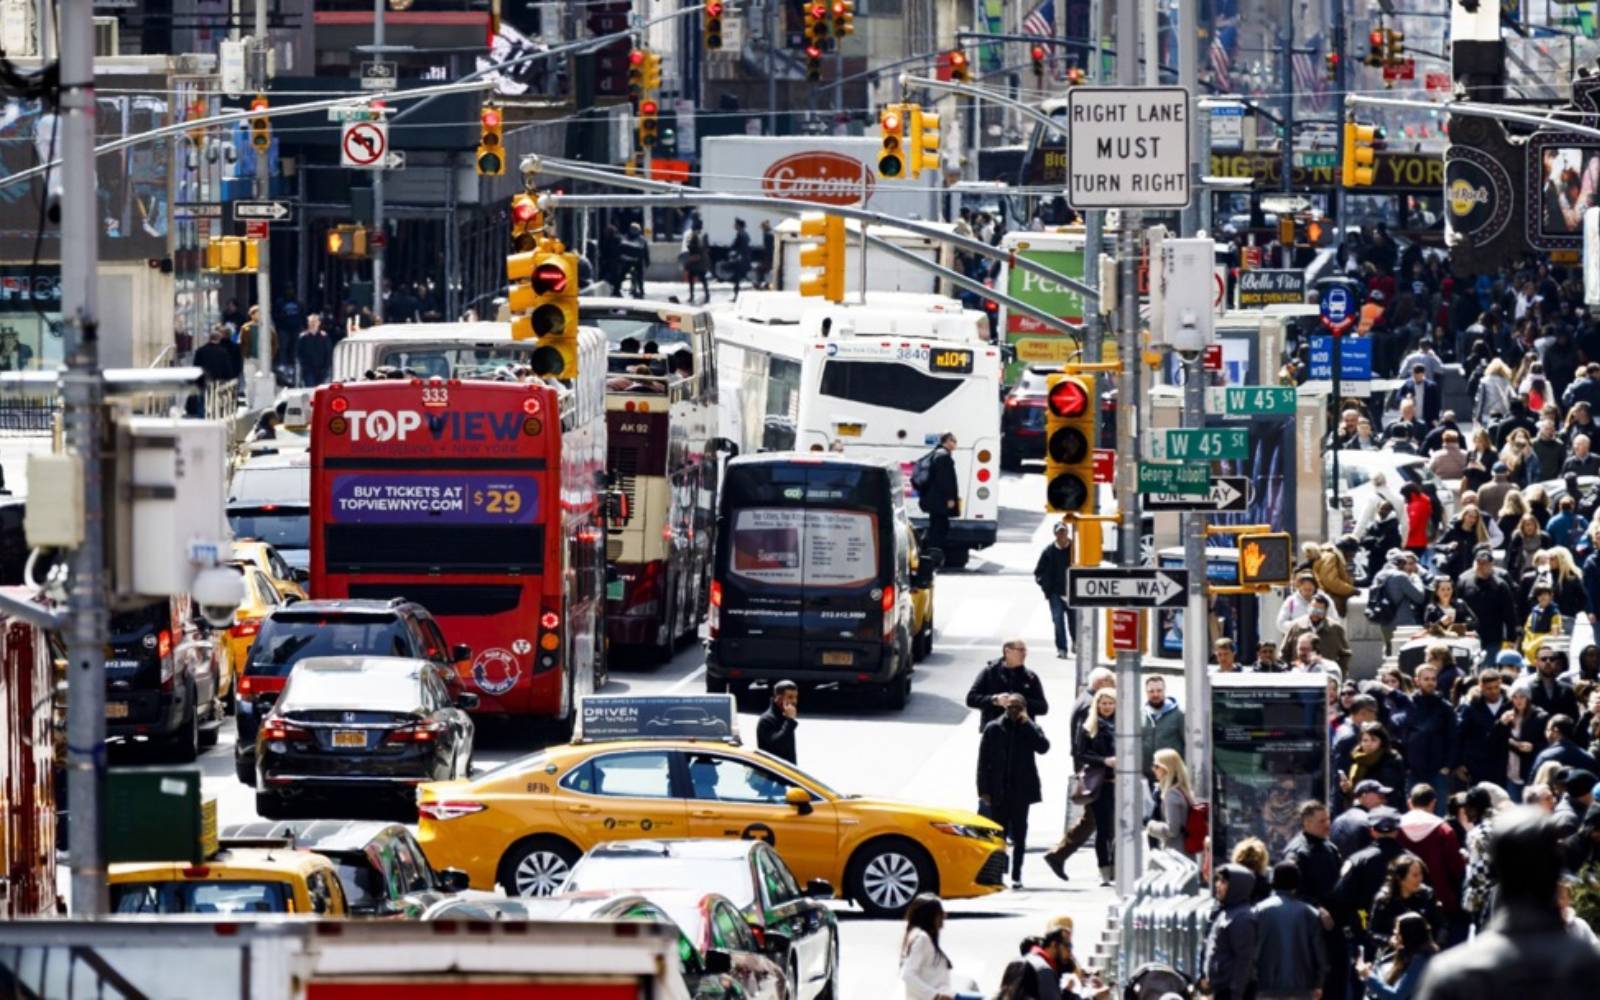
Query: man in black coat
{"points": [[212, 358], [1480, 739], [1551, 693], [1487, 593], [1050, 573], [941, 500], [1007, 675], [1430, 732], [775, 728], [1422, 389], [1527, 950], [314, 351], [1365, 871], [1008, 774], [1320, 863]]}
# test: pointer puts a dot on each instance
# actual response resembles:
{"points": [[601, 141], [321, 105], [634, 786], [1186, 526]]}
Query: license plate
{"points": [[616, 589], [122, 664], [848, 430], [838, 658], [350, 738], [116, 710]]}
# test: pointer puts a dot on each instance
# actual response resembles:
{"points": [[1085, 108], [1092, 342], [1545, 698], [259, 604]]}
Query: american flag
{"points": [[1310, 82], [1219, 66], [1042, 22], [1224, 34]]}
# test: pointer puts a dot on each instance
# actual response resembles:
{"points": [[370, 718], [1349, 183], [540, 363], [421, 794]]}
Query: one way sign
{"points": [[1228, 493], [272, 211], [1121, 587]]}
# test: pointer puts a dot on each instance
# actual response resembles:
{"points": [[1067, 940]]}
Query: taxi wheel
{"points": [[886, 875], [537, 866]]}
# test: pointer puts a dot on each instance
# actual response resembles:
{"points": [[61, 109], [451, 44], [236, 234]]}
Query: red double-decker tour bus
{"points": [[480, 500]]}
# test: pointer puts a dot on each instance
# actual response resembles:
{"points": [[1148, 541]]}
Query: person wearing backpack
{"points": [[1397, 595], [1176, 817], [940, 497]]}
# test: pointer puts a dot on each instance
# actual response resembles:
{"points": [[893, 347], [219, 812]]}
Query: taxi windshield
{"points": [[200, 897]]}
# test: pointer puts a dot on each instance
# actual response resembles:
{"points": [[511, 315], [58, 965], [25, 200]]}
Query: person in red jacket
{"points": [[1419, 518], [1430, 838]]}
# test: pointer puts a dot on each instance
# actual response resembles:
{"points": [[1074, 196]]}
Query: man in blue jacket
{"points": [[1563, 748], [1480, 739]]}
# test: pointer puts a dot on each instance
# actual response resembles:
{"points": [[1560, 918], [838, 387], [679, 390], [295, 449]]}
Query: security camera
{"points": [[218, 592]]}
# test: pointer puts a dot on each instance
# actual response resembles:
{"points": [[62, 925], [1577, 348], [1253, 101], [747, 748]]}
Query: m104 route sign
{"points": [[1125, 587]]}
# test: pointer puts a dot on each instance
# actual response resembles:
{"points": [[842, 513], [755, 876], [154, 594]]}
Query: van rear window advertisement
{"points": [[450, 499], [786, 547]]}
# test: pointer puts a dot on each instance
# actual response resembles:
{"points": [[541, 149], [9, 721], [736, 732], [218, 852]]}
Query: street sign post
{"points": [[1227, 494], [1193, 478], [1129, 147], [1252, 400], [270, 211], [1205, 444], [1338, 307], [1127, 587]]}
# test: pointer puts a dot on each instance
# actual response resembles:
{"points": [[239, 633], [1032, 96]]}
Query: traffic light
{"points": [[1394, 51], [1286, 230], [1036, 54], [348, 242], [543, 301], [260, 127], [1075, 76], [1374, 47], [1069, 428], [1359, 168], [1266, 559], [844, 18], [960, 71], [813, 62], [636, 74], [652, 70], [527, 222], [491, 159], [826, 259], [648, 130], [922, 140], [817, 23], [1332, 59], [711, 26], [892, 155], [232, 255]]}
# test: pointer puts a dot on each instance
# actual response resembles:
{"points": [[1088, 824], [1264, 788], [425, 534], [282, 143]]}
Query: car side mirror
{"points": [[800, 799], [820, 888], [776, 944], [718, 963], [300, 575], [467, 701], [453, 879], [460, 651]]}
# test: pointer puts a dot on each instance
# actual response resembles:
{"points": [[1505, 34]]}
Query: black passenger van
{"points": [[811, 579]]}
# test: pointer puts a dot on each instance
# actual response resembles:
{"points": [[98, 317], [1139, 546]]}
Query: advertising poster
{"points": [[1569, 182], [449, 499], [1269, 739], [673, 717], [789, 546]]}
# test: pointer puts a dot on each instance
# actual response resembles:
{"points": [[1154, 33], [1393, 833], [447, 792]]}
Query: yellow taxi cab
{"points": [[260, 600], [673, 767], [264, 557], [234, 880], [923, 567]]}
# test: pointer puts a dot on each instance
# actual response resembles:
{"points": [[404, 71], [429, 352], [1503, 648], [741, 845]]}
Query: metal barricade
{"points": [[1166, 918]]}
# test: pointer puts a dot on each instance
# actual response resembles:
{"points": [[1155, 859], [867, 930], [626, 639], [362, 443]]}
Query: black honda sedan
{"points": [[360, 723]]}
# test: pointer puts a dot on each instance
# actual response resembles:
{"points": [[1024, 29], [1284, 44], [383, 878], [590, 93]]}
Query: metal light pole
{"points": [[82, 396], [1196, 628], [1199, 126], [382, 241], [1129, 842], [263, 185]]}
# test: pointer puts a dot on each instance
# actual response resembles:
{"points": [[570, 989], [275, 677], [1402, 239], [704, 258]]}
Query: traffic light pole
{"points": [[264, 378], [1128, 784], [83, 399], [1196, 623], [382, 239]]}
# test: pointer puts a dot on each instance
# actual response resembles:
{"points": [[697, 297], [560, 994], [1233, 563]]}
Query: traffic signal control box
{"points": [[1069, 427]]}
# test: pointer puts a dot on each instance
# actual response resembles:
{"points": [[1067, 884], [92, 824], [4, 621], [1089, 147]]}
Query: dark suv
{"points": [[162, 678], [396, 627]]}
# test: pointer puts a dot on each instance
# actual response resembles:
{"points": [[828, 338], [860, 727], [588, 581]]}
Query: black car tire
{"points": [[244, 768], [542, 862], [884, 876], [955, 556], [210, 734], [269, 805], [922, 645]]}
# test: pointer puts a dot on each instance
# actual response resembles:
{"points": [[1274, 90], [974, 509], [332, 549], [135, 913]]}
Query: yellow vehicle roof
{"points": [[232, 863]]}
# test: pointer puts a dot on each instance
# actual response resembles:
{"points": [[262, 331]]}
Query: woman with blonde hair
{"points": [[1251, 852], [1566, 580], [1174, 798], [1094, 748], [1516, 453], [1512, 506], [1494, 394]]}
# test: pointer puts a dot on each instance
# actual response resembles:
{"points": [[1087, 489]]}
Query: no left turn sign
{"points": [[364, 144]]}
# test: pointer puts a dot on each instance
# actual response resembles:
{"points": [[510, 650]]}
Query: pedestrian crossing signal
{"points": [[1069, 450], [1265, 560]]}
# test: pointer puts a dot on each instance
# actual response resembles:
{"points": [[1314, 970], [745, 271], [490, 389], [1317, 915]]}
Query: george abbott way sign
{"points": [[1129, 147]]}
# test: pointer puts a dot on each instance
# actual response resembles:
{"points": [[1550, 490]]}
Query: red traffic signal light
{"points": [[1376, 37], [490, 118], [549, 278], [648, 107], [636, 57], [524, 209], [819, 11], [1037, 52], [713, 10], [1068, 399]]}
